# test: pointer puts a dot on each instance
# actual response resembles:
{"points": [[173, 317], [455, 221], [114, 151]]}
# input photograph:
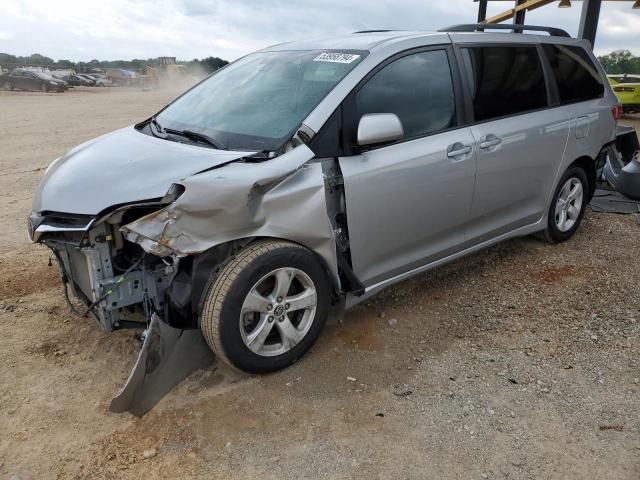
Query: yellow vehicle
{"points": [[627, 89]]}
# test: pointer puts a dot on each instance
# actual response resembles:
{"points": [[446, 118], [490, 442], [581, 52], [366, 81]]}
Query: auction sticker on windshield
{"points": [[336, 57]]}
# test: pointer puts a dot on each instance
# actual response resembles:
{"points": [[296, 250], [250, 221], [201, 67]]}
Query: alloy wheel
{"points": [[278, 311], [569, 204]]}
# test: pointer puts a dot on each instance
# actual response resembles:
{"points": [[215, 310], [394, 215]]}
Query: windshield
{"points": [[259, 101]]}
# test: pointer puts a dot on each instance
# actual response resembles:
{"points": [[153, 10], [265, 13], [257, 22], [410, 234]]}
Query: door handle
{"points": [[489, 141], [459, 150]]}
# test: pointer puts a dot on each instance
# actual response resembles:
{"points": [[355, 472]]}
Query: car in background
{"points": [[71, 81], [121, 76], [78, 81], [627, 89], [62, 72], [101, 80], [91, 82], [20, 79]]}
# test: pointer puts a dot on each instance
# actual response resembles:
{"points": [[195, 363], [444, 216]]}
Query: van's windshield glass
{"points": [[257, 102]]}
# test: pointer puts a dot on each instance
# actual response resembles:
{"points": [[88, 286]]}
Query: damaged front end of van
{"points": [[145, 263], [142, 220]]}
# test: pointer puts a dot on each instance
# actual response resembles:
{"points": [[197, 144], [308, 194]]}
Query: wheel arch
{"points": [[185, 296], [222, 252], [588, 164]]}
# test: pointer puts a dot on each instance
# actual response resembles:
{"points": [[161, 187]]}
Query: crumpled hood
{"points": [[121, 167]]}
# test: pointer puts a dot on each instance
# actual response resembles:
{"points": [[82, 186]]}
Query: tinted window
{"points": [[577, 77], [505, 80], [417, 88]]}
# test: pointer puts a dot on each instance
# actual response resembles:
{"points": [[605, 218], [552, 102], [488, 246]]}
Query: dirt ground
{"points": [[521, 362]]}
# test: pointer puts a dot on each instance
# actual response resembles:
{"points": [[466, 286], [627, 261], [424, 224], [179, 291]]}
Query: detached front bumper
{"points": [[124, 296], [622, 169], [168, 356]]}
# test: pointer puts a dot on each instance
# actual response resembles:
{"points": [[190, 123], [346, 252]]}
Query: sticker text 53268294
{"points": [[336, 57]]}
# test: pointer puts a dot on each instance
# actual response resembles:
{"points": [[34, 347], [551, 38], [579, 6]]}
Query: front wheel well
{"points": [[196, 273], [330, 277]]}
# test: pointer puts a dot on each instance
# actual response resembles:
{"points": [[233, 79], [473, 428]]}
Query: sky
{"points": [[127, 29]]}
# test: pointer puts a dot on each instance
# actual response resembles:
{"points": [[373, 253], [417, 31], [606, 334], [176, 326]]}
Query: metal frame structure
{"points": [[588, 19]]}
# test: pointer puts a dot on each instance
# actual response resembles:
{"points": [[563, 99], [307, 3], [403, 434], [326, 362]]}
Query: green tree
{"points": [[9, 61], [65, 64], [37, 59], [620, 61], [211, 64]]}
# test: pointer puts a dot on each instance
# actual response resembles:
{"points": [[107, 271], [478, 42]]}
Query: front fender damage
{"points": [[282, 198]]}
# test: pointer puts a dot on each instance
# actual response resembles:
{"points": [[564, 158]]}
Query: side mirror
{"points": [[377, 128]]}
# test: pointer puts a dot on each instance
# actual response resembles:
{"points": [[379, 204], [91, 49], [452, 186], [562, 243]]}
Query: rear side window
{"points": [[505, 80], [577, 77], [418, 88]]}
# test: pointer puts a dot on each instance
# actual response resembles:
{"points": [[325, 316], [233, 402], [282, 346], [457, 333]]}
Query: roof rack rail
{"points": [[375, 31], [516, 28]]}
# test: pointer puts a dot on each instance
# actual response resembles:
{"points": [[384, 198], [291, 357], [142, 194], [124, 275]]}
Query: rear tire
{"points": [[266, 307], [44, 87], [8, 85], [567, 206]]}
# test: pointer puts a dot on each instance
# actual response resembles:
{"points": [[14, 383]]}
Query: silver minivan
{"points": [[316, 173]]}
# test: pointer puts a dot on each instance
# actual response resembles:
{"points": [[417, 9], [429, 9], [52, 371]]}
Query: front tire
{"points": [[44, 87], [266, 307], [567, 206], [8, 85]]}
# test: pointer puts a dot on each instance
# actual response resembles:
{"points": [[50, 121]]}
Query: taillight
{"points": [[616, 112]]}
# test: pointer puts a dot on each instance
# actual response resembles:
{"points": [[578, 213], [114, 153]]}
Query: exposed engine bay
{"points": [[118, 284]]}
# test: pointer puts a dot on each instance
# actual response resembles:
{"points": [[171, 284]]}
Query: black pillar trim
{"points": [[589, 20], [482, 10], [519, 16]]}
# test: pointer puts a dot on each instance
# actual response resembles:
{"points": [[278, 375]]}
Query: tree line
{"points": [[206, 65], [620, 61]]}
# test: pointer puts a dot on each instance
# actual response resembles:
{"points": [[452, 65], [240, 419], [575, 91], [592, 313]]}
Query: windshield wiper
{"points": [[159, 131], [198, 137], [156, 128]]}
